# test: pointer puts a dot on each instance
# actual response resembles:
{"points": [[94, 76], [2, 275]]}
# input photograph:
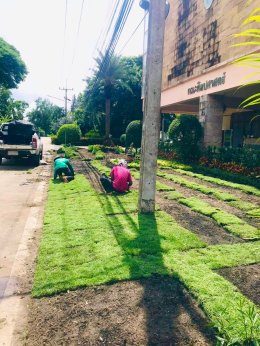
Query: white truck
{"points": [[19, 139]]}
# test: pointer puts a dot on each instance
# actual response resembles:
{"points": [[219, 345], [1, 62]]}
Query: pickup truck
{"points": [[19, 139]]}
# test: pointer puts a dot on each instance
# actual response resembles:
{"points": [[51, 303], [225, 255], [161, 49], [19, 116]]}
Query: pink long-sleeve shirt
{"points": [[121, 178]]}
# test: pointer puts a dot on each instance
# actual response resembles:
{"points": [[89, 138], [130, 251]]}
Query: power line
{"points": [[112, 16], [132, 35], [76, 40], [110, 23], [118, 28], [119, 25]]}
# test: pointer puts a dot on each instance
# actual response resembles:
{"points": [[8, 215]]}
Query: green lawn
{"points": [[91, 238], [187, 170], [229, 222]]}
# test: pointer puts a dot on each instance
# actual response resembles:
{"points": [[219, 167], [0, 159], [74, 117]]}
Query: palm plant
{"points": [[250, 60], [111, 73]]}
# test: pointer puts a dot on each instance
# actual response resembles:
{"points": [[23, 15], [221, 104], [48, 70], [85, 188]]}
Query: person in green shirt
{"points": [[63, 169]]}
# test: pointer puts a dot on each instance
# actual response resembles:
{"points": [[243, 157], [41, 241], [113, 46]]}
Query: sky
{"points": [[59, 49]]}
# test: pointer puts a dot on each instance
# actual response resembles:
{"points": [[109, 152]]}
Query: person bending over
{"points": [[63, 169], [121, 178]]}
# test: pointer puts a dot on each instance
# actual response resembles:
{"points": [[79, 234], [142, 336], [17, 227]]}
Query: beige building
{"points": [[198, 74]]}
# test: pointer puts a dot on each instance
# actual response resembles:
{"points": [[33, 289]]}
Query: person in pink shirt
{"points": [[121, 179]]}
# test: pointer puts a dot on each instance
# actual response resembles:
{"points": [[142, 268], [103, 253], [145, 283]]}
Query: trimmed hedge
{"points": [[134, 134], [185, 133], [68, 134]]}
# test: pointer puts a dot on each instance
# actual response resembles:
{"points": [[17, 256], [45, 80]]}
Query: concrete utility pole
{"points": [[152, 99], [66, 99]]}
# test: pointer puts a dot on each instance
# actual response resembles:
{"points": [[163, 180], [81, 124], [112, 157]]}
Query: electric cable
{"points": [[76, 40], [132, 35], [112, 16], [123, 15], [110, 48]]}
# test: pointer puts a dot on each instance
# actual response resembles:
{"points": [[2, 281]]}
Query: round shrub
{"points": [[123, 139], [68, 133], [134, 134], [185, 132]]}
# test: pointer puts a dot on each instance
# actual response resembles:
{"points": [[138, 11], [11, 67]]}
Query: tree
{"points": [[111, 74], [185, 132], [125, 101], [9, 108], [5, 96], [12, 68], [46, 115], [16, 109]]}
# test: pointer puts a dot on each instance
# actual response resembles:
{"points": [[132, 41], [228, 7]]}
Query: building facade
{"points": [[199, 73]]}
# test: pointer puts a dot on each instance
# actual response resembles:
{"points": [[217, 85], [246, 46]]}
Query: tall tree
{"points": [[9, 108], [45, 115], [111, 73], [16, 109], [12, 68], [125, 97]]}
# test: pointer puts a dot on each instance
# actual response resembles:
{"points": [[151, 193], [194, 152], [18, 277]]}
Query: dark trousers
{"points": [[106, 183], [66, 172]]}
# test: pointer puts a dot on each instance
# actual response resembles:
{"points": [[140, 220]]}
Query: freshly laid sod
{"points": [[88, 240], [81, 244], [101, 168], [222, 196], [220, 299], [230, 222], [185, 170], [254, 213]]}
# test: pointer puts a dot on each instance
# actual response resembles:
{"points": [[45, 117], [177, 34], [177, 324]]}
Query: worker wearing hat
{"points": [[63, 169], [121, 178]]}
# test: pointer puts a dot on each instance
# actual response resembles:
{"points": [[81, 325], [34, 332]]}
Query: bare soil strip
{"points": [[155, 311]]}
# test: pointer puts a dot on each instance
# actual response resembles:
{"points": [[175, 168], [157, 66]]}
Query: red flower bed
{"points": [[230, 167], [170, 155]]}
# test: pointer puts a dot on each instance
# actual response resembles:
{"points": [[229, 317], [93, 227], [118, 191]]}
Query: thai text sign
{"points": [[208, 84]]}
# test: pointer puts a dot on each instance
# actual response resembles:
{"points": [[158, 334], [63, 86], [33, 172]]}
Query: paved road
{"points": [[22, 196]]}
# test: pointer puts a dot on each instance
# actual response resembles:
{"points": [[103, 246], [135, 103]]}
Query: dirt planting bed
{"points": [[155, 311], [246, 278]]}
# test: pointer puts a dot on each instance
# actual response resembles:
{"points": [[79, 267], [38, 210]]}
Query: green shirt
{"points": [[62, 163]]}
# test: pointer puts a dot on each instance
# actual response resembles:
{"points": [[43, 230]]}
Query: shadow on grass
{"points": [[163, 299]]}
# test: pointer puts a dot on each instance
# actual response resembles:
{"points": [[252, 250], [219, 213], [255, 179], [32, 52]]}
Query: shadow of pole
{"points": [[143, 256]]}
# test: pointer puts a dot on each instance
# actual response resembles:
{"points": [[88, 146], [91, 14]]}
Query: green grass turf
{"points": [[83, 245], [223, 196], [228, 221], [218, 297], [186, 170], [254, 213]]}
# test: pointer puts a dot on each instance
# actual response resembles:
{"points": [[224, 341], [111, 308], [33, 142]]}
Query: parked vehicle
{"points": [[20, 139]]}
